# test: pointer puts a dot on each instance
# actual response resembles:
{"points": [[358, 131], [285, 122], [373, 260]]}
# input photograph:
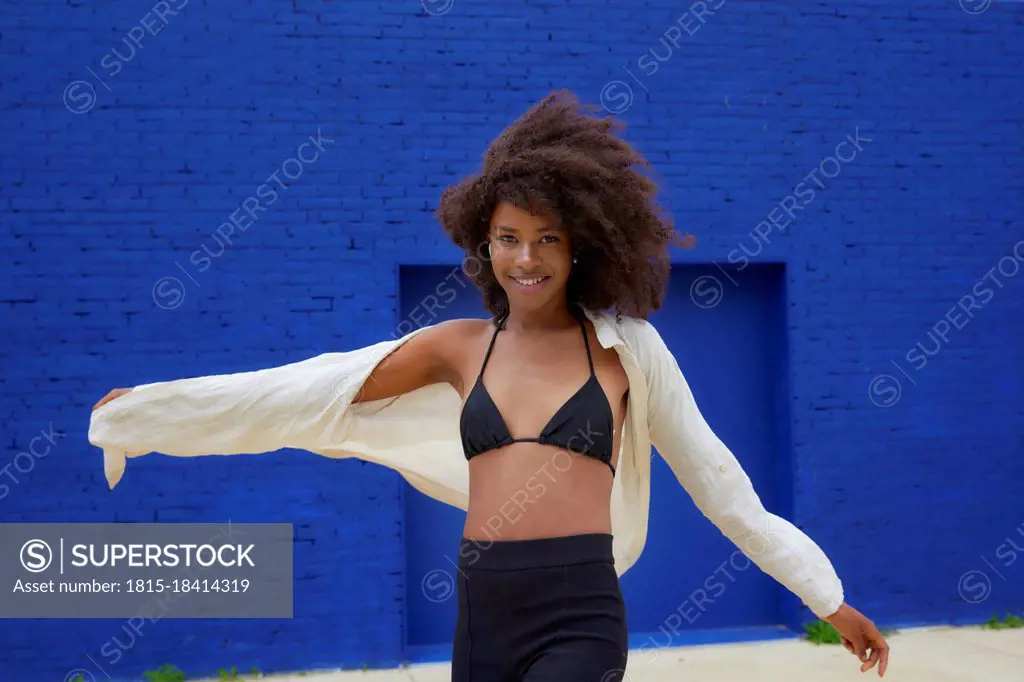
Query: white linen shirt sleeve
{"points": [[721, 489], [300, 405]]}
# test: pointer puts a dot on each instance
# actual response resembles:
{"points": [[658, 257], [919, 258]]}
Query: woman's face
{"points": [[531, 256]]}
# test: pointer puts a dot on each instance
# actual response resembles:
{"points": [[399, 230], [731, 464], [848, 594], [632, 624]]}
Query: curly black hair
{"points": [[560, 158]]}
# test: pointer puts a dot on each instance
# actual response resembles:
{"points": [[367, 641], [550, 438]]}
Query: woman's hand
{"points": [[116, 393], [859, 635]]}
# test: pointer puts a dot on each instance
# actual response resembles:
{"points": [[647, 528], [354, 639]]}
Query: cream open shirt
{"points": [[308, 405]]}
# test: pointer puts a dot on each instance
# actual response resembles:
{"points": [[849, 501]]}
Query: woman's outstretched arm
{"points": [[300, 405], [721, 489], [427, 358]]}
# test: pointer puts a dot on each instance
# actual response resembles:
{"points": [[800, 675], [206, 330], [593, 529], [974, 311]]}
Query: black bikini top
{"points": [[584, 424]]}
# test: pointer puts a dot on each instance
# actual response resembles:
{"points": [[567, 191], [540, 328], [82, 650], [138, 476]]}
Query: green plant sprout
{"points": [[165, 673], [1010, 622]]}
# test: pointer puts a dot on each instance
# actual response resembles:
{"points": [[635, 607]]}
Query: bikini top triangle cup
{"points": [[584, 424]]}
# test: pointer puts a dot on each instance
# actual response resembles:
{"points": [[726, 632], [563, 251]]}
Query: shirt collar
{"points": [[607, 333]]}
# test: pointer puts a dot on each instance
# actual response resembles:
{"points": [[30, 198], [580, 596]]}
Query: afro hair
{"points": [[559, 158]]}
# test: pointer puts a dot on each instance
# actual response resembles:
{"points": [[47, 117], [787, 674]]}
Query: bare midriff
{"points": [[529, 490]]}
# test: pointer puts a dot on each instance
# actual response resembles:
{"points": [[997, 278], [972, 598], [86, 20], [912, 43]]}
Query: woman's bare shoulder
{"points": [[461, 331], [453, 340], [469, 324], [431, 355], [454, 344]]}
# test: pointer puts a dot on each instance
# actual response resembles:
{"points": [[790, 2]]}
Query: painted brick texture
{"points": [[189, 188]]}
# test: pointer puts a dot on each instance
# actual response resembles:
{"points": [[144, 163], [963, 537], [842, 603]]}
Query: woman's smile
{"points": [[531, 283]]}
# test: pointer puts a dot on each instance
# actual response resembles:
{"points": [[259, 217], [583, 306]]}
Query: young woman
{"points": [[554, 403]]}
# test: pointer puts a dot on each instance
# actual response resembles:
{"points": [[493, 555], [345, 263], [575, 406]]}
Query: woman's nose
{"points": [[525, 254]]}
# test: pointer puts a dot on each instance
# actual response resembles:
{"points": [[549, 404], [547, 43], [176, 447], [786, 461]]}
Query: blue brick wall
{"points": [[189, 188]]}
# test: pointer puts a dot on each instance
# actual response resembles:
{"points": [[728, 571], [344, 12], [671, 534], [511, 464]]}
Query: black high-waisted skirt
{"points": [[539, 610]]}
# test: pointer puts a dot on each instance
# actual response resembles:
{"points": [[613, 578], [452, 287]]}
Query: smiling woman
{"points": [[561, 195], [543, 415]]}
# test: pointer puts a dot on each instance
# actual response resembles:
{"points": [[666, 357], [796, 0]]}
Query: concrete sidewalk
{"points": [[938, 654]]}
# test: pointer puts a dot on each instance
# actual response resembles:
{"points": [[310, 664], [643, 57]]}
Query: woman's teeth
{"points": [[532, 281]]}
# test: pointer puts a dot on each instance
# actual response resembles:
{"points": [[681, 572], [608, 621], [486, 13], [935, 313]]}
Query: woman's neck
{"points": [[554, 317]]}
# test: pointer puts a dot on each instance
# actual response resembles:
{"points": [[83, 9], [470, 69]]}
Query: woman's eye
{"points": [[549, 237]]}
